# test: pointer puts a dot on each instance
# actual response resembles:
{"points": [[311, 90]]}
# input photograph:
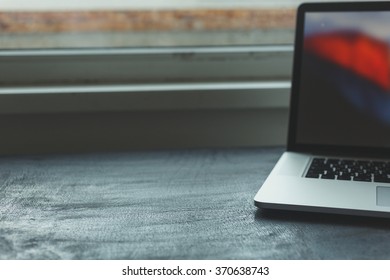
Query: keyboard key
{"points": [[344, 177], [333, 161], [381, 179], [362, 178], [312, 175], [328, 176]]}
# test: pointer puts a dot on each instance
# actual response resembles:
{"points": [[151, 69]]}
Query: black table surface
{"points": [[186, 204]]}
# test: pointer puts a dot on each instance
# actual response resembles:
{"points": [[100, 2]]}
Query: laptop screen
{"points": [[344, 79]]}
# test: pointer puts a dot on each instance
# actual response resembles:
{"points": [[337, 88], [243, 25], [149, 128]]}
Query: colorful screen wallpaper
{"points": [[345, 79]]}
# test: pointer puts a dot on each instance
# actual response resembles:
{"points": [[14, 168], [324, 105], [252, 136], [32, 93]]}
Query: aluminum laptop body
{"points": [[339, 114]]}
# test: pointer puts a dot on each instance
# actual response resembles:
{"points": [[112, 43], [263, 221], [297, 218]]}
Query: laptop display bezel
{"points": [[292, 144]]}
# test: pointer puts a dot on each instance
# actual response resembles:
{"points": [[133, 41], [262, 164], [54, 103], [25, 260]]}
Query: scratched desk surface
{"points": [[195, 204]]}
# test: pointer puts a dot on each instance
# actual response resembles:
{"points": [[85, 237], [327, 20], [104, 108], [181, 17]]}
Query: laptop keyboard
{"points": [[349, 170]]}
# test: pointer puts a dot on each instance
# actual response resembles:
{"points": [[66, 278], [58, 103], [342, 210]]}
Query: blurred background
{"points": [[130, 23]]}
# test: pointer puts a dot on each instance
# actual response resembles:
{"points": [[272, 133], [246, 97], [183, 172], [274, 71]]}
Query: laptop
{"points": [[338, 148]]}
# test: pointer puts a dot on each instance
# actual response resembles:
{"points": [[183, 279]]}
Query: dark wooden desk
{"points": [[165, 205]]}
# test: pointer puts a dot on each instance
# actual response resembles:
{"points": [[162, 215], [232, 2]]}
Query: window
{"points": [[154, 55], [121, 23], [72, 47], [130, 23]]}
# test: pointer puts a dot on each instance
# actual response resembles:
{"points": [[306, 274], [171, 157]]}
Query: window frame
{"points": [[142, 79]]}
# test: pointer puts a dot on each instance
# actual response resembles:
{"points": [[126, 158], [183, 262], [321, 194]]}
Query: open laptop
{"points": [[338, 151]]}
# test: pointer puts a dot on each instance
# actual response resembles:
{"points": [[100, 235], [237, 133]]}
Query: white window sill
{"points": [[188, 96]]}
